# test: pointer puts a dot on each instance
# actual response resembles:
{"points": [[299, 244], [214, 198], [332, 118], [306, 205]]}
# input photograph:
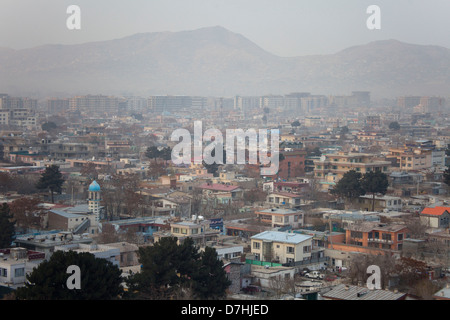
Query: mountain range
{"points": [[214, 61]]}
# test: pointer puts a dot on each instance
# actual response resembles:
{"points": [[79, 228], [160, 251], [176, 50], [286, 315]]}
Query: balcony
{"points": [[380, 240]]}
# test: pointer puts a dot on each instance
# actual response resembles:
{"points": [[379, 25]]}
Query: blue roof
{"points": [[94, 186]]}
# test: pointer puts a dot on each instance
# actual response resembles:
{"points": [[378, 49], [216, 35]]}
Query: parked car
{"points": [[251, 289], [304, 272], [314, 275], [331, 277]]}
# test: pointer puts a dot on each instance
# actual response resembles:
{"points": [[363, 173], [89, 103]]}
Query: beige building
{"points": [[411, 158], [278, 218], [281, 247], [332, 167]]}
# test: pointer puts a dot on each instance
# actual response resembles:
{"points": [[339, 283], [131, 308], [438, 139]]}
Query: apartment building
{"points": [[411, 158], [281, 218], [283, 199], [95, 104], [332, 167], [375, 235]]}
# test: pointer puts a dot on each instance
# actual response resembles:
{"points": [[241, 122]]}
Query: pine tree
{"points": [[100, 279], [210, 280], [51, 179], [375, 182], [6, 226]]}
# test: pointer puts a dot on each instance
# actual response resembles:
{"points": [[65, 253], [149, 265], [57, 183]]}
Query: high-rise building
{"points": [[95, 104]]}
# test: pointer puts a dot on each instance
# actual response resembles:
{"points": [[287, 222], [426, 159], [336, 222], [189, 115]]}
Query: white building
{"points": [[109, 253], [16, 263], [282, 247]]}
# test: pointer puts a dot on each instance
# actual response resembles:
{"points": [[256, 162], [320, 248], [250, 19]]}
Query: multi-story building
{"points": [[375, 235], [411, 158], [24, 118], [95, 104], [293, 164], [55, 105], [16, 263], [332, 167], [282, 247], [100, 251], [283, 199], [382, 203], [281, 218]]}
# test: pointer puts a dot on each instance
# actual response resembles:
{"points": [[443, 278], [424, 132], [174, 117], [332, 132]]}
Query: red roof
{"points": [[436, 211]]}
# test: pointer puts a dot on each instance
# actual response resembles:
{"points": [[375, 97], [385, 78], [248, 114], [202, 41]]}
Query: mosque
{"points": [[82, 218]]}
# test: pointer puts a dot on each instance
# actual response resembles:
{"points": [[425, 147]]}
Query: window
{"points": [[256, 245], [386, 236], [3, 272], [400, 237], [356, 234], [183, 231], [290, 249], [306, 249], [176, 230], [194, 231]]}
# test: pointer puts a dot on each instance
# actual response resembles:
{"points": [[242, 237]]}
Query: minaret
{"points": [[94, 199]]}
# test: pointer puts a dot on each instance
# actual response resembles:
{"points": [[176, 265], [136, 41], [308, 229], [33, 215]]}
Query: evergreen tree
{"points": [[100, 279], [349, 186], [51, 179], [6, 226], [169, 268], [375, 182], [210, 280]]}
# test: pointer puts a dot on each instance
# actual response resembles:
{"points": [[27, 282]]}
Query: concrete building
{"points": [[437, 217], [110, 253], [16, 263], [281, 218], [281, 246], [332, 167]]}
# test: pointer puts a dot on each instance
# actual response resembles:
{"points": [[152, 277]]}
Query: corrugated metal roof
{"points": [[348, 292]]}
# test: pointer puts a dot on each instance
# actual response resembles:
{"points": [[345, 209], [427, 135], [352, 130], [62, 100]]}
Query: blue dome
{"points": [[94, 186]]}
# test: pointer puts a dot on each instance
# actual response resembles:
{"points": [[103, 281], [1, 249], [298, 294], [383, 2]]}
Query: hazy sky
{"points": [[282, 27]]}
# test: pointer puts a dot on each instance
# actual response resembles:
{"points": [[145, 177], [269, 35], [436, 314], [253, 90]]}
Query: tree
{"points": [[349, 186], [51, 179], [255, 195], [154, 152], [158, 278], [27, 213], [375, 182], [446, 176], [210, 280], [49, 126], [296, 123], [6, 226], [156, 169], [170, 269], [100, 279], [394, 126]]}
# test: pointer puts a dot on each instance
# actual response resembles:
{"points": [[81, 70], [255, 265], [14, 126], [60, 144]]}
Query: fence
{"points": [[262, 263], [306, 262]]}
